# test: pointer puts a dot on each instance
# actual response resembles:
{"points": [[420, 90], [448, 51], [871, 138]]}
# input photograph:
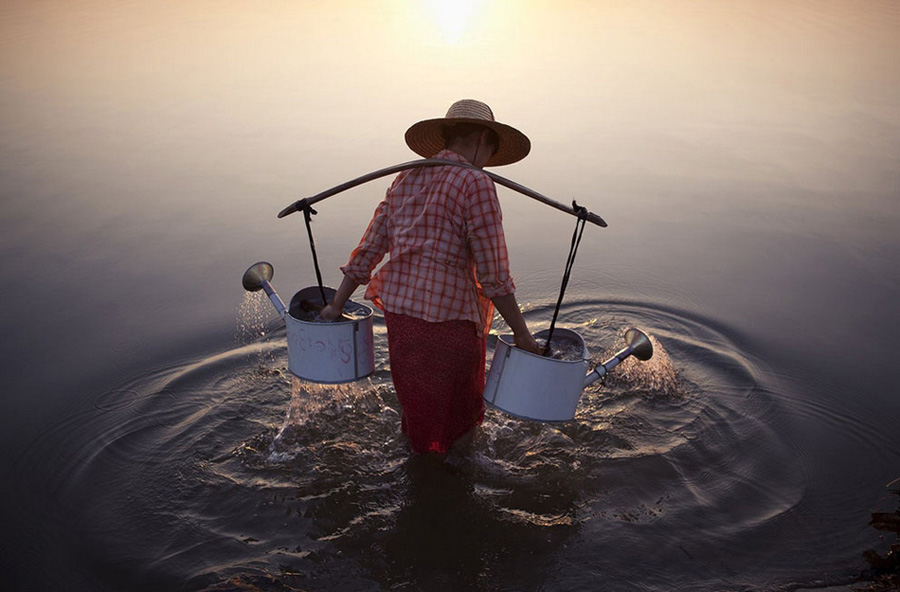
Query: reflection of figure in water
{"points": [[447, 536], [438, 540], [448, 268]]}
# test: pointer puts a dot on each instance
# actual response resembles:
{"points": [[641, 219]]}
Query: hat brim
{"points": [[426, 139]]}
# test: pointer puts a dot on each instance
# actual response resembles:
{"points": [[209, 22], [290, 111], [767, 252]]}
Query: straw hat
{"points": [[426, 138]]}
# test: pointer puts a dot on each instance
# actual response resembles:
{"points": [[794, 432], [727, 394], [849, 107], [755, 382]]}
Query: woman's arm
{"points": [[334, 308], [508, 308]]}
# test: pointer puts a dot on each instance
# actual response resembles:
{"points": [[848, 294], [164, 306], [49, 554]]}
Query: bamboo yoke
{"points": [[302, 204]]}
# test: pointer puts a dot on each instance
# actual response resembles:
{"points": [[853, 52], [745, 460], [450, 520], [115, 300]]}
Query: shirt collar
{"points": [[447, 154]]}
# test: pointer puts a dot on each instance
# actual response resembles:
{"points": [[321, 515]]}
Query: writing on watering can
{"points": [[336, 349]]}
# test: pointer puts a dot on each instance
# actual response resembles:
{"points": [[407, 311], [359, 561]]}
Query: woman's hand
{"points": [[330, 312], [334, 309], [527, 342]]}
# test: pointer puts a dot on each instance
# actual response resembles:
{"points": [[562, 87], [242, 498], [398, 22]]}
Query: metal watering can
{"points": [[540, 388], [328, 353]]}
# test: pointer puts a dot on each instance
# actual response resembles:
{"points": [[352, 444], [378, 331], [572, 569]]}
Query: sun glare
{"points": [[453, 17]]}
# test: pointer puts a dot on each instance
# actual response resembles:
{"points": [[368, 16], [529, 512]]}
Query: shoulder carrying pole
{"points": [[302, 204]]}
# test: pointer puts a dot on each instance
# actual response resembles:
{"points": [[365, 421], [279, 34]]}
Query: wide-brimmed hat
{"points": [[426, 137]]}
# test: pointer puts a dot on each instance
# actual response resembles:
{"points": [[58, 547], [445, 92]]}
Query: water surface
{"points": [[746, 157]]}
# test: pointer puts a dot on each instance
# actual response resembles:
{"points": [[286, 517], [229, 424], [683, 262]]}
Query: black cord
{"points": [[582, 214], [308, 213]]}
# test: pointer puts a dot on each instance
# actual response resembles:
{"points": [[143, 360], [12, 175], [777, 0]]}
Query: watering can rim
{"points": [[509, 340], [369, 311]]}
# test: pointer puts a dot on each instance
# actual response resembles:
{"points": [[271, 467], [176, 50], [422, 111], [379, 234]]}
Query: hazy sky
{"points": [[308, 83]]}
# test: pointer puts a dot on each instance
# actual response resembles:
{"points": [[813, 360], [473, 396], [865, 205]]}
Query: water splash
{"points": [[353, 415], [654, 377]]}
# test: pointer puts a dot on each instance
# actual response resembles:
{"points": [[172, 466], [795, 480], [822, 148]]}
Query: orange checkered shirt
{"points": [[443, 229]]}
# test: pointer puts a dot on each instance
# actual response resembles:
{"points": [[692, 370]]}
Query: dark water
{"points": [[746, 157]]}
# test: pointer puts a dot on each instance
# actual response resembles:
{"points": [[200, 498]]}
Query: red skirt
{"points": [[438, 373]]}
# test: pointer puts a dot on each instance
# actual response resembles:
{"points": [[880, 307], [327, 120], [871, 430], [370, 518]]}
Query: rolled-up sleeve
{"points": [[484, 232], [371, 249]]}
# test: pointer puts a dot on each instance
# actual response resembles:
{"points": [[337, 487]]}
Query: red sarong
{"points": [[438, 373]]}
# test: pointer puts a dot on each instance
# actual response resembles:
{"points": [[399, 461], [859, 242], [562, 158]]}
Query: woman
{"points": [[448, 268]]}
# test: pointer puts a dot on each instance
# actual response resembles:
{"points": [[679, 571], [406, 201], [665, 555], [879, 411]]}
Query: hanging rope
{"points": [[308, 213], [582, 214]]}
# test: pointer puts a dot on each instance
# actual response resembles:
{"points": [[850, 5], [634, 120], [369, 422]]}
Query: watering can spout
{"points": [[637, 344], [257, 278]]}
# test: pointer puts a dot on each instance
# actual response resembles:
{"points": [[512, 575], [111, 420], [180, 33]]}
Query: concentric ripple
{"points": [[232, 471]]}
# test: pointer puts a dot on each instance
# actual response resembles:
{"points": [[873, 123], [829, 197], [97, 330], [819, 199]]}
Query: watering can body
{"points": [[538, 388], [333, 352], [530, 386]]}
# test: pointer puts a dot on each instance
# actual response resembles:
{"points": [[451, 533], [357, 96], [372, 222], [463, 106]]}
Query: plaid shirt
{"points": [[443, 229]]}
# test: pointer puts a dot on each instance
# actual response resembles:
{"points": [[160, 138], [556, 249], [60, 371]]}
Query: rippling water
{"points": [[746, 156], [226, 469]]}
